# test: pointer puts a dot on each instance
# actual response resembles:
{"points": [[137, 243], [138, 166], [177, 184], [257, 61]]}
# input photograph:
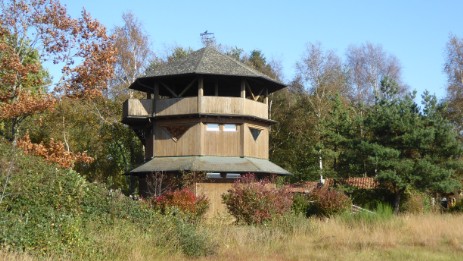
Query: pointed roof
{"points": [[206, 61]]}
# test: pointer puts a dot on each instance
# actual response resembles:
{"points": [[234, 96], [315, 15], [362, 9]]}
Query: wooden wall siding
{"points": [[149, 145], [256, 148], [220, 143], [222, 105], [233, 105], [190, 105], [176, 106], [187, 145], [213, 192], [137, 108], [255, 108]]}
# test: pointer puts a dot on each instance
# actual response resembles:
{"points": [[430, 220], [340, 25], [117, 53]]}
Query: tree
{"points": [[368, 64], [409, 149], [453, 67], [323, 78], [292, 137], [133, 55], [21, 80], [93, 126], [35, 31], [258, 61]]}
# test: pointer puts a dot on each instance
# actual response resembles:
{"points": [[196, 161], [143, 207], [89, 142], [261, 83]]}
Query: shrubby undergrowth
{"points": [[327, 202], [253, 201], [50, 211], [183, 200]]}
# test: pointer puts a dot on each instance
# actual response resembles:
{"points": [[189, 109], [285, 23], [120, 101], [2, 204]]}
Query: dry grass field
{"points": [[406, 237]]}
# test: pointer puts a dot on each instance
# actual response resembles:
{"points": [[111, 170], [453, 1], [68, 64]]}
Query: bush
{"points": [[327, 202], [184, 200], [253, 202], [301, 203], [370, 198], [416, 203], [458, 206], [45, 210]]}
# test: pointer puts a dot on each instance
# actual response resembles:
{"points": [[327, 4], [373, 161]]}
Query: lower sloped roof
{"points": [[211, 164]]}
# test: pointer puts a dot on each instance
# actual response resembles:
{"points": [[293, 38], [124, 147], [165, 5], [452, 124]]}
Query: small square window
{"points": [[212, 127], [229, 127]]}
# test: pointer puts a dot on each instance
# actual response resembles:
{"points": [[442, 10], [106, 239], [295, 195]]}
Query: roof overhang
{"points": [[210, 164], [205, 116], [146, 83]]}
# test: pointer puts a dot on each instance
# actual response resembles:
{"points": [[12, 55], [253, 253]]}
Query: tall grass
{"points": [[380, 237]]}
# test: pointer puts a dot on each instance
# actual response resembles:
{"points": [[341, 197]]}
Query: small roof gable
{"points": [[206, 61]]}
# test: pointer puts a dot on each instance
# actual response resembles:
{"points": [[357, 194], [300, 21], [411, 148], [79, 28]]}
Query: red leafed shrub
{"points": [[253, 202], [327, 202], [185, 200]]}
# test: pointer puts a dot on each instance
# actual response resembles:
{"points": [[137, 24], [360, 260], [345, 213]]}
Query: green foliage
{"points": [[458, 206], [49, 211], [93, 126], [408, 149], [382, 213], [416, 202], [301, 203], [326, 202], [253, 202], [371, 198]]}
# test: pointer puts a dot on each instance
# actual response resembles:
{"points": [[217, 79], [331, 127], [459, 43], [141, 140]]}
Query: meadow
{"points": [[405, 237]]}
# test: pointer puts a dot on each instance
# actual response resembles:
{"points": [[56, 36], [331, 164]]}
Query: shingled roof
{"points": [[206, 61], [210, 164]]}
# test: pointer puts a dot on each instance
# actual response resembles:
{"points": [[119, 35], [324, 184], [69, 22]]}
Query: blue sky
{"points": [[416, 32]]}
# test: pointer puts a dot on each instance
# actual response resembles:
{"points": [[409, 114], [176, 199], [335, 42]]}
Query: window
{"points": [[255, 132], [212, 127], [233, 176], [229, 127], [213, 175]]}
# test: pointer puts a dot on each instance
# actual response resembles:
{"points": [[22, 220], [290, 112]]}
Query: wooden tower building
{"points": [[206, 113]]}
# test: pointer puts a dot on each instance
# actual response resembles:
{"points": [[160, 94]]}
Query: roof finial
{"points": [[208, 39]]}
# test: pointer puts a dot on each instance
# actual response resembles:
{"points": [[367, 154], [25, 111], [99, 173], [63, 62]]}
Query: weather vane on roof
{"points": [[207, 38]]}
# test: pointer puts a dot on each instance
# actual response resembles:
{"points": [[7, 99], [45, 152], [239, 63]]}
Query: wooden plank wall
{"points": [[176, 106], [189, 105], [256, 148], [255, 108], [136, 107], [214, 192], [222, 105], [198, 141], [221, 143], [187, 144], [234, 105]]}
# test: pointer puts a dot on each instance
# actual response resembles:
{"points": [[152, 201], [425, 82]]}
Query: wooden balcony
{"points": [[233, 106], [134, 109]]}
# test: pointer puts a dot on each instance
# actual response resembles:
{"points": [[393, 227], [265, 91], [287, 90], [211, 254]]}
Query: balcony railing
{"points": [[134, 108]]}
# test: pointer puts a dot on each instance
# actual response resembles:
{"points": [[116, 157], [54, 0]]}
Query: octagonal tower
{"points": [[205, 113]]}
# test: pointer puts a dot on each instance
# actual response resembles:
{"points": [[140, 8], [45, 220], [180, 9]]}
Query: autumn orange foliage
{"points": [[54, 152], [81, 47], [26, 104]]}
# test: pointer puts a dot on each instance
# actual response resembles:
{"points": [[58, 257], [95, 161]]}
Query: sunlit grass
{"points": [[406, 237]]}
